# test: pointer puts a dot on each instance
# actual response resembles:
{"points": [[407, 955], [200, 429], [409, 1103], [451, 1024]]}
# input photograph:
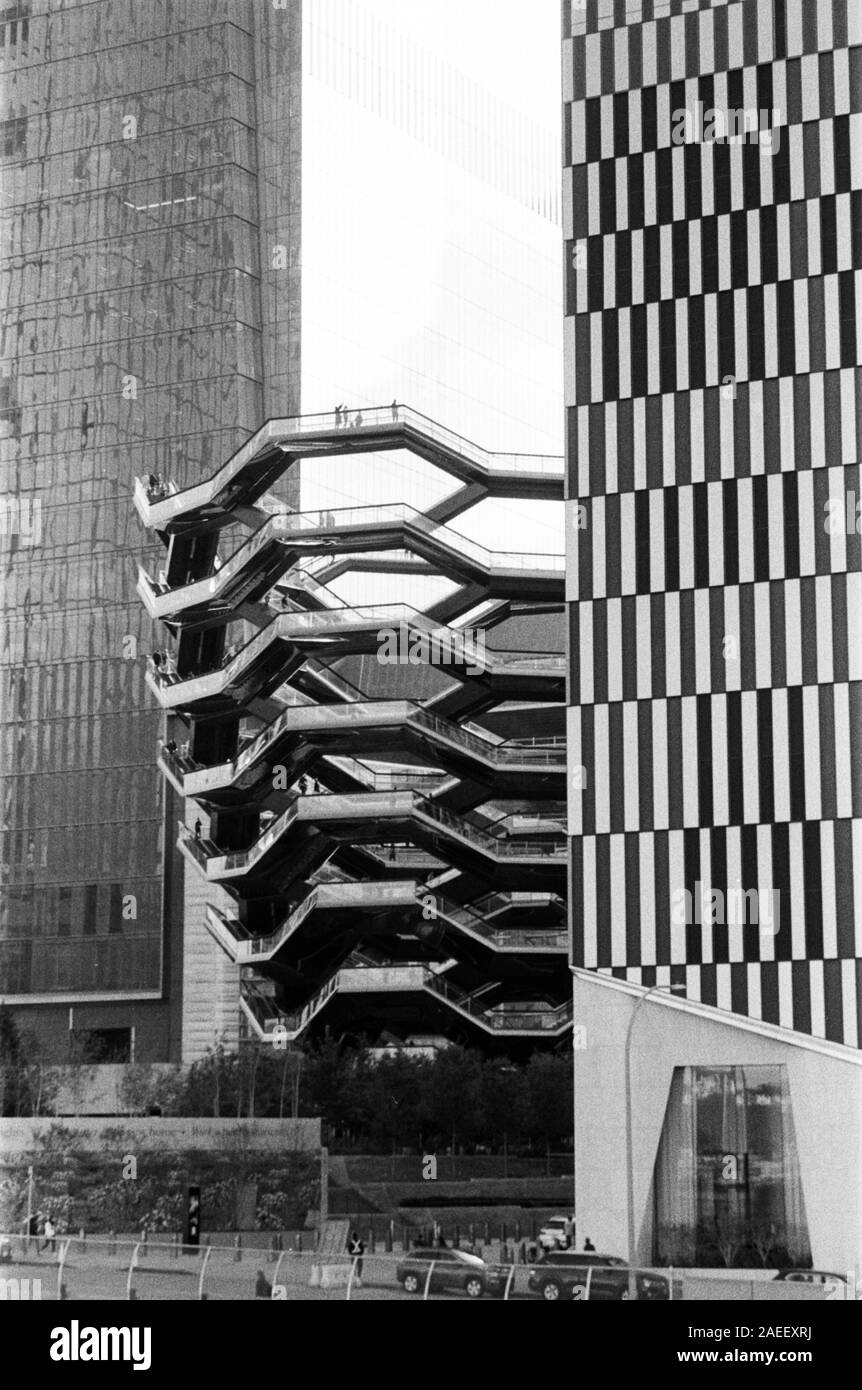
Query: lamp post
{"points": [[630, 1189]]}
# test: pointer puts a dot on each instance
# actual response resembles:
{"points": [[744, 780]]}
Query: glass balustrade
{"points": [[338, 523]]}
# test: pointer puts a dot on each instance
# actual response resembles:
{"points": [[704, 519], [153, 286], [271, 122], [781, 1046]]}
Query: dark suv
{"points": [[563, 1274], [454, 1270]]}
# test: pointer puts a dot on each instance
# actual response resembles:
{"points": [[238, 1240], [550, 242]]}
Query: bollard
{"points": [[504, 1235], [175, 1245], [472, 1235], [370, 1241], [237, 1252], [299, 1241], [390, 1231]]}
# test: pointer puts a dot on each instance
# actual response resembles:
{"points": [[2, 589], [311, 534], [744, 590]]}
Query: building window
{"points": [[13, 137], [727, 1188], [91, 908], [14, 29], [64, 912], [92, 1046]]}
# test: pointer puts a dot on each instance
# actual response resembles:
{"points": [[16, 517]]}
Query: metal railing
{"points": [[495, 1260], [344, 524], [382, 420], [297, 627], [404, 893]]}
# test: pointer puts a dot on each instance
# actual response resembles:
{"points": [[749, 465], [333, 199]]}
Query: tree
{"points": [[40, 1076], [504, 1102], [339, 1085], [10, 1062], [145, 1090], [27, 1086], [549, 1089], [400, 1082], [453, 1097], [211, 1083]]}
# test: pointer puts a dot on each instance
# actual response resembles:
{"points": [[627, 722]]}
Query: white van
{"points": [[558, 1233]]}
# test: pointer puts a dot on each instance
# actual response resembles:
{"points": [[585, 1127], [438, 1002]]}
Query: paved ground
{"points": [[93, 1275]]}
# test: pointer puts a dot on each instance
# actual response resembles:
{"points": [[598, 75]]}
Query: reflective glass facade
{"points": [[139, 335], [211, 218], [727, 1187]]}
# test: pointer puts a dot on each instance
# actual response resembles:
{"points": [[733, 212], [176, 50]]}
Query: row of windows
{"points": [[744, 757], [80, 217], [14, 32], [115, 963], [103, 317], [735, 637], [624, 886], [667, 48], [592, 16], [62, 470], [740, 335], [165, 115], [779, 94], [819, 236], [129, 68], [735, 430], [691, 181], [59, 28], [150, 261], [55, 690], [139, 365], [91, 849], [736, 531], [198, 406], [48, 800], [81, 909], [42, 757], [129, 162]]}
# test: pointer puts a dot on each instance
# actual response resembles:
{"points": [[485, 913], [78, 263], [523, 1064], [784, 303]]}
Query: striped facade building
{"points": [[712, 201]]}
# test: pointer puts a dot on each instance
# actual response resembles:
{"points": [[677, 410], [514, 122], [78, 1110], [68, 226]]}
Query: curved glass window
{"points": [[727, 1188]]}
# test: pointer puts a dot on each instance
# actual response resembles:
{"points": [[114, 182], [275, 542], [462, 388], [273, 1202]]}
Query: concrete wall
{"points": [[223, 1135], [210, 1009], [825, 1089]]}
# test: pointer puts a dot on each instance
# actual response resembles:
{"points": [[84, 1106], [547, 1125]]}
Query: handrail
{"points": [[404, 712], [382, 516], [379, 893], [392, 420], [294, 627], [514, 1020], [357, 804]]}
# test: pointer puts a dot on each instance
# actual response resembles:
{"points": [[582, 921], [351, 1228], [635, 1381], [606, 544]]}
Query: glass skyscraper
{"points": [[213, 214]]}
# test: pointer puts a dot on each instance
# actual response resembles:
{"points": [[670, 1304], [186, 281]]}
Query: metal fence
{"points": [[115, 1270]]}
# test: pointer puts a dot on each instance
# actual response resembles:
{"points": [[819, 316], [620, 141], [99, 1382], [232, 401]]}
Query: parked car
{"points": [[557, 1233], [839, 1284], [562, 1274], [456, 1270]]}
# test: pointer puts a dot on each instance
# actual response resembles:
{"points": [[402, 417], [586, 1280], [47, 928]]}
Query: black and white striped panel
{"points": [[714, 555]]}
